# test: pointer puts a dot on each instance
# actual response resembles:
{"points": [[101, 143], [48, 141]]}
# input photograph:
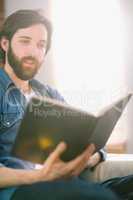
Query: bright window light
{"points": [[88, 45], [89, 54]]}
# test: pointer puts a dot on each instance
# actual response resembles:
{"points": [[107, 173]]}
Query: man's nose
{"points": [[34, 52]]}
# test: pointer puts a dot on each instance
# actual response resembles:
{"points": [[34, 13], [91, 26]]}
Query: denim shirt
{"points": [[12, 108]]}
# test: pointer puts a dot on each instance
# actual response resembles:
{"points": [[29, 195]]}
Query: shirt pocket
{"points": [[10, 118]]}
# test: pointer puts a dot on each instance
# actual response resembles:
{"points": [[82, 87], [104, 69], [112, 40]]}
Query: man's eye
{"points": [[42, 46], [24, 41]]}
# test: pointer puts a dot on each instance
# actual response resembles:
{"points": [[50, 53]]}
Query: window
{"points": [[88, 44]]}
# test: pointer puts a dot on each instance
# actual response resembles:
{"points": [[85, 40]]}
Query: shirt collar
{"points": [[5, 79], [7, 82]]}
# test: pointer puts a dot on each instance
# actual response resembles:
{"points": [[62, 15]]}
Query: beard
{"points": [[25, 68]]}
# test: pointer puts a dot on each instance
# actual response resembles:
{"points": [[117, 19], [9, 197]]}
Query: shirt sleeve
{"points": [[54, 94], [103, 154], [1, 165]]}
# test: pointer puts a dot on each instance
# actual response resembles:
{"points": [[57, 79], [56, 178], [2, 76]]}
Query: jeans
{"points": [[122, 186], [75, 189]]}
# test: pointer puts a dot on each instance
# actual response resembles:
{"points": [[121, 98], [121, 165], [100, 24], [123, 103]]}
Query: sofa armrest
{"points": [[115, 165]]}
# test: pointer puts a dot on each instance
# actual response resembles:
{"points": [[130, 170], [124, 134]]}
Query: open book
{"points": [[47, 122]]}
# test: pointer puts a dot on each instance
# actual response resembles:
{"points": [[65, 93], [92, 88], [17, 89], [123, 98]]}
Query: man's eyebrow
{"points": [[29, 38], [25, 37]]}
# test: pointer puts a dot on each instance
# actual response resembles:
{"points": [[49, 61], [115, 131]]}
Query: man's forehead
{"points": [[38, 30]]}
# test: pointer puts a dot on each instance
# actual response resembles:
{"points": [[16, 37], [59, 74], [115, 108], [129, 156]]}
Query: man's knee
{"points": [[63, 190]]}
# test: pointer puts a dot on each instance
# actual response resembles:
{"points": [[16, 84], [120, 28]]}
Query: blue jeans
{"points": [[75, 189], [122, 186]]}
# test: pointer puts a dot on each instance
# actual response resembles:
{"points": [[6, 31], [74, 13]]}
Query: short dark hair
{"points": [[23, 19]]}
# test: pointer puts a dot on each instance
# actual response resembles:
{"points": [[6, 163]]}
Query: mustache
{"points": [[30, 58]]}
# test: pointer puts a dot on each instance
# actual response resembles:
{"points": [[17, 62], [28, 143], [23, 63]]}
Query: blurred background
{"points": [[91, 58]]}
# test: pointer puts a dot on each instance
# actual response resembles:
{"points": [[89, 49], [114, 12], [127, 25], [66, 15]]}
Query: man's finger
{"points": [[86, 154], [82, 158], [78, 164], [90, 150], [61, 147]]}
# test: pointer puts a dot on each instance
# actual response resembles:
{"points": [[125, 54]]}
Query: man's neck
{"points": [[21, 84]]}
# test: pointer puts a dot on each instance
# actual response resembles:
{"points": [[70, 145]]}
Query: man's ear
{"points": [[4, 44]]}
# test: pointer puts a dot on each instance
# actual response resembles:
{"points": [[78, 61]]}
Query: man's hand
{"points": [[94, 160], [54, 168]]}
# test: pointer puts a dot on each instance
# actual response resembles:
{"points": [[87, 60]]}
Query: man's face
{"points": [[27, 51]]}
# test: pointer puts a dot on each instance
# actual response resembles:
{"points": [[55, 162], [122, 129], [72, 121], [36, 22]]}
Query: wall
{"points": [[1, 12], [127, 7]]}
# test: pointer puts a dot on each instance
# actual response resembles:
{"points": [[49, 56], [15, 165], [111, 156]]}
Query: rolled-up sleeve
{"points": [[1, 165], [103, 154]]}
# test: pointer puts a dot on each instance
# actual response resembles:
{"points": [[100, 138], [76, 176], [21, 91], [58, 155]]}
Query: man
{"points": [[25, 40]]}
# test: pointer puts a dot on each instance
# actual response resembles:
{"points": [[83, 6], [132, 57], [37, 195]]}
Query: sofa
{"points": [[115, 165]]}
